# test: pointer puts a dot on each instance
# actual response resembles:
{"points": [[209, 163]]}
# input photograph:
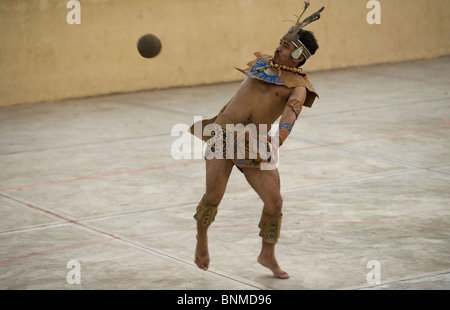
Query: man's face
{"points": [[283, 53]]}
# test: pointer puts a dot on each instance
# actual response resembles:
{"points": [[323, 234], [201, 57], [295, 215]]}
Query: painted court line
{"points": [[112, 236], [382, 137], [93, 177], [170, 231], [391, 76], [59, 216]]}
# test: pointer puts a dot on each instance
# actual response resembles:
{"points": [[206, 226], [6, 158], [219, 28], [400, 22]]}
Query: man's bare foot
{"points": [[271, 263], [201, 252]]}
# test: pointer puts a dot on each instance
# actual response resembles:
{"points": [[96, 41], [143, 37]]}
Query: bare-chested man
{"points": [[273, 87]]}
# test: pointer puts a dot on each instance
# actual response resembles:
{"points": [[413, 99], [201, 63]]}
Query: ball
{"points": [[149, 46]]}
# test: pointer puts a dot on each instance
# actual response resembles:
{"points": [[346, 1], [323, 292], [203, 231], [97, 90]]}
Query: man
{"points": [[273, 87]]}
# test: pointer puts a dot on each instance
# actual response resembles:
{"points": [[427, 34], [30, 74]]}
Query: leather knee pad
{"points": [[270, 227], [205, 214]]}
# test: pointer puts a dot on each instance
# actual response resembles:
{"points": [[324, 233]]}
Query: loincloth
{"points": [[227, 139]]}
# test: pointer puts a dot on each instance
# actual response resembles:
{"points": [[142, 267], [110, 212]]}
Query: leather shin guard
{"points": [[270, 227], [205, 214]]}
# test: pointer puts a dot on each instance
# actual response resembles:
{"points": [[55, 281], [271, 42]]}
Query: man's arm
{"points": [[291, 112]]}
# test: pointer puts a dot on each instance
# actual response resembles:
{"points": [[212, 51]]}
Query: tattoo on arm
{"points": [[283, 132]]}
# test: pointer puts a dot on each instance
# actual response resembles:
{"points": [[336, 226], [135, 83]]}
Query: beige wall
{"points": [[43, 58]]}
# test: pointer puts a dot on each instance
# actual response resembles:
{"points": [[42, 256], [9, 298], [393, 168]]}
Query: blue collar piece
{"points": [[267, 75]]}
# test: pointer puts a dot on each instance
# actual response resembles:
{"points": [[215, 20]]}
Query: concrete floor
{"points": [[89, 187]]}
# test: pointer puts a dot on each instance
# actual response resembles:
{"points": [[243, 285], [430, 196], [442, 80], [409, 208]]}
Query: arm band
{"points": [[296, 106]]}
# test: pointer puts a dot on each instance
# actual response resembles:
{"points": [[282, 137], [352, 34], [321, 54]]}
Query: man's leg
{"points": [[217, 174], [266, 183]]}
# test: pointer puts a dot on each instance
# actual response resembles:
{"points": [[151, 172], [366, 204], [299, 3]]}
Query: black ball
{"points": [[149, 46]]}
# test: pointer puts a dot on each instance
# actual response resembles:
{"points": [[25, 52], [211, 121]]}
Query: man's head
{"points": [[294, 50], [303, 43]]}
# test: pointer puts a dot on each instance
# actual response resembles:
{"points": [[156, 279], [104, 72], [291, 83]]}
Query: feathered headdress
{"points": [[293, 33]]}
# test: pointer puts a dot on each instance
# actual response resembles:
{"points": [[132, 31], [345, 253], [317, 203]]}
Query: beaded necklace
{"points": [[279, 68]]}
